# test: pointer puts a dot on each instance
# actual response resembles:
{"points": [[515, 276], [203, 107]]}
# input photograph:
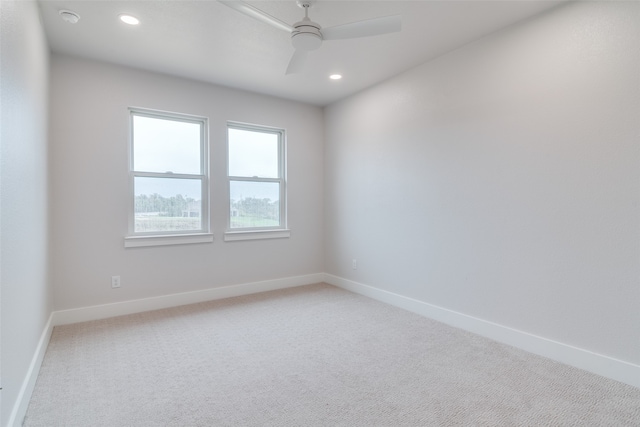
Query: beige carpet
{"points": [[309, 356]]}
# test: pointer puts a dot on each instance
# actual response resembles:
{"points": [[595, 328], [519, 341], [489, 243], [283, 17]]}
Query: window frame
{"points": [[154, 238], [266, 232]]}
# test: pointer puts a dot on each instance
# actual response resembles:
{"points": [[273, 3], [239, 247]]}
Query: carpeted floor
{"points": [[309, 356]]}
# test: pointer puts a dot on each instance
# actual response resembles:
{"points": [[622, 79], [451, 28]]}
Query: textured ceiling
{"points": [[208, 41]]}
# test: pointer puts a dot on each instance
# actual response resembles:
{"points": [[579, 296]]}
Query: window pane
{"points": [[254, 204], [161, 145], [167, 204], [253, 154]]}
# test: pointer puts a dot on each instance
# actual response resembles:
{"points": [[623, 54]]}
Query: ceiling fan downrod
{"points": [[306, 35]]}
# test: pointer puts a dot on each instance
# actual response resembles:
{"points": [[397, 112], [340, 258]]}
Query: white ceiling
{"points": [[208, 41]]}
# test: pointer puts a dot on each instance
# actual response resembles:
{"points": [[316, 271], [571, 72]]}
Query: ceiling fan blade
{"points": [[369, 27], [256, 13], [296, 64]]}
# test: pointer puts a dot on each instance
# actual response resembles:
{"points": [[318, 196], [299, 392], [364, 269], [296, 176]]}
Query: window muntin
{"points": [[256, 178], [168, 174]]}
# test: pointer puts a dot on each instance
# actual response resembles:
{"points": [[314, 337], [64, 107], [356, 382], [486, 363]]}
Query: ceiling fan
{"points": [[307, 35]]}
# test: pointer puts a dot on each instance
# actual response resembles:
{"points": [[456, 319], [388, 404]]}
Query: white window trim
{"points": [[235, 236], [203, 235], [169, 239], [256, 233]]}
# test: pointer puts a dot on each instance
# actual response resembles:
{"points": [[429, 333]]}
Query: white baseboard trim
{"points": [[599, 364], [84, 314], [605, 366], [29, 383]]}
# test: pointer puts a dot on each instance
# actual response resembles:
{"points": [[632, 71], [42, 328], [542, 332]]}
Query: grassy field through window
{"points": [[252, 221], [145, 224]]}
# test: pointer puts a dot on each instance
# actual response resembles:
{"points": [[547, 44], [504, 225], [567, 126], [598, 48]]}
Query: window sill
{"points": [[176, 239], [234, 236]]}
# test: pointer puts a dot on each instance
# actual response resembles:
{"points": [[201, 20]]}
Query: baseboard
{"points": [[29, 383], [599, 364], [104, 311], [580, 358]]}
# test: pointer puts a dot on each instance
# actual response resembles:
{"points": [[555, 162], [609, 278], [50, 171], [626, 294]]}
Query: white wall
{"points": [[502, 180], [26, 300], [89, 115]]}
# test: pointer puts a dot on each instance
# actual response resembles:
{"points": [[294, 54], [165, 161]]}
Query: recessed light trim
{"points": [[335, 76], [129, 19]]}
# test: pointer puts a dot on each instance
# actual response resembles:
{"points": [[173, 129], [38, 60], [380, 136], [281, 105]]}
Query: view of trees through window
{"points": [[255, 177], [252, 212], [168, 172], [254, 204], [154, 212]]}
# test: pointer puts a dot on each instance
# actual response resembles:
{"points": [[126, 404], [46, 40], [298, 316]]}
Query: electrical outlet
{"points": [[354, 264], [115, 281]]}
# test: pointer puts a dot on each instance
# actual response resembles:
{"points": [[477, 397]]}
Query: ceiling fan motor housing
{"points": [[306, 35]]}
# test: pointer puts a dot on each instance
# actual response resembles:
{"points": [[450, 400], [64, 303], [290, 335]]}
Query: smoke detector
{"points": [[69, 16]]}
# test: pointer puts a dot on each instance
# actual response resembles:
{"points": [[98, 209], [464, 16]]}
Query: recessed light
{"points": [[69, 16], [128, 19], [335, 76]]}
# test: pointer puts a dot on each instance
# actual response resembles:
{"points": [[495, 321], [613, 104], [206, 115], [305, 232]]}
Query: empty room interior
{"points": [[199, 226]]}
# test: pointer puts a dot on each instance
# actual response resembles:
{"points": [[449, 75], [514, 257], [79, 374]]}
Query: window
{"points": [[256, 174], [168, 178]]}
